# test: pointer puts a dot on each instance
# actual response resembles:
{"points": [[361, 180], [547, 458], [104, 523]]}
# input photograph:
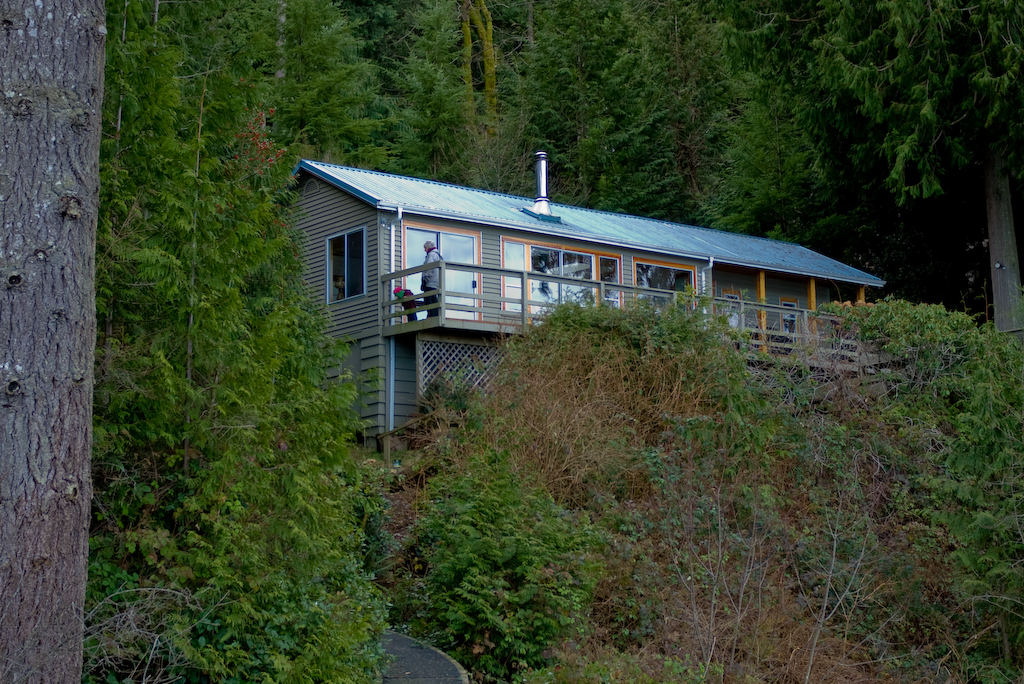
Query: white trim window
{"points": [[788, 319], [346, 265]]}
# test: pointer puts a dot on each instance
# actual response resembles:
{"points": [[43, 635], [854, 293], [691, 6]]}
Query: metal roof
{"points": [[429, 198]]}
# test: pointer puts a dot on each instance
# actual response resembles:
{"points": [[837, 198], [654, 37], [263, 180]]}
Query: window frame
{"points": [[528, 246], [615, 297], [329, 270], [731, 310], [789, 318], [409, 250], [665, 264]]}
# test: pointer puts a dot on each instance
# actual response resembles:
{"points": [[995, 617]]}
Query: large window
{"points": [[560, 262], [663, 277], [346, 266]]}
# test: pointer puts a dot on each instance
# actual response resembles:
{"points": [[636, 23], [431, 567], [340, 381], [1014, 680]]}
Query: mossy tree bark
{"points": [[467, 60], [481, 18], [1002, 245], [51, 68]]}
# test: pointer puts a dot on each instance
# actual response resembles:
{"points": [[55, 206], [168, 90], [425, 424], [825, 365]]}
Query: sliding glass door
{"points": [[458, 248]]}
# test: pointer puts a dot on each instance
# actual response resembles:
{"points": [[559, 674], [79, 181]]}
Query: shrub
{"points": [[507, 569], [580, 395]]}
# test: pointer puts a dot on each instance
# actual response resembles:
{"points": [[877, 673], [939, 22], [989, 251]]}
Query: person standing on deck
{"points": [[432, 278]]}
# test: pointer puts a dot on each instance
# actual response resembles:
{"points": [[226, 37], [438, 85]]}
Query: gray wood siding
{"points": [[373, 369], [490, 255], [777, 288], [627, 270], [322, 214], [405, 379], [744, 283]]}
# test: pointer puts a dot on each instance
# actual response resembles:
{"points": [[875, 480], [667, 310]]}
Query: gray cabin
{"points": [[365, 233]]}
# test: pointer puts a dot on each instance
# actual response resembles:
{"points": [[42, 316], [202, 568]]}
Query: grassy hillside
{"points": [[637, 500]]}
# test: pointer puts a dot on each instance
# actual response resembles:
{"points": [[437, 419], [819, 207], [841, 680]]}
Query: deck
{"points": [[493, 301]]}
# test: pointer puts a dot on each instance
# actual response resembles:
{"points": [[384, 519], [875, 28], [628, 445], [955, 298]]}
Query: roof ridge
{"points": [[421, 180]]}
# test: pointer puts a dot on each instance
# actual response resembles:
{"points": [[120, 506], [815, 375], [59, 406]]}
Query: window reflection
{"points": [[346, 266]]}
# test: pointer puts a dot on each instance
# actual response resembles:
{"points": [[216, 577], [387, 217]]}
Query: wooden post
{"points": [[762, 315], [812, 303], [860, 294], [440, 293]]}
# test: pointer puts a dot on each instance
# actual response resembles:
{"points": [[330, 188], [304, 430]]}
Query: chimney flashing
{"points": [[549, 217]]}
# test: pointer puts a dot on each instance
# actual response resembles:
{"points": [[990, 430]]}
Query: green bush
{"points": [[507, 569]]}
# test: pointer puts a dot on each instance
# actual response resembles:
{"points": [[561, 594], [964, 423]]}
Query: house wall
{"points": [[323, 211], [776, 286]]}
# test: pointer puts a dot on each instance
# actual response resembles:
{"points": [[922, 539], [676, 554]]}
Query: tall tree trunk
{"points": [[467, 62], [1002, 245], [51, 71], [481, 18]]}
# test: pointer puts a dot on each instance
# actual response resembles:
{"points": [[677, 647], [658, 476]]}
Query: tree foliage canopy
{"points": [[228, 514]]}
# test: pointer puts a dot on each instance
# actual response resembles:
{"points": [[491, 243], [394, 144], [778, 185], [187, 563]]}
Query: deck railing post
{"points": [[440, 293], [524, 297]]}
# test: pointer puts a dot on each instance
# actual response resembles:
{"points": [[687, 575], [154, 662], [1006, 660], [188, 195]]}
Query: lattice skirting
{"points": [[475, 363]]}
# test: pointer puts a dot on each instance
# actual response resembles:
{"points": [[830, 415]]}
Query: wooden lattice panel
{"points": [[476, 364]]}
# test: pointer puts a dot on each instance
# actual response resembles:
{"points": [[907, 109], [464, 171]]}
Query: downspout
{"points": [[704, 277], [704, 284], [391, 340], [391, 384]]}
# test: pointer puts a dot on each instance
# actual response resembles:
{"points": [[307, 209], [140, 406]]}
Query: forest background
{"points": [[235, 540]]}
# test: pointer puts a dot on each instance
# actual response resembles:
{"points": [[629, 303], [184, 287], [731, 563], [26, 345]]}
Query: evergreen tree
{"points": [[434, 121], [51, 64], [325, 89], [225, 514], [626, 98], [905, 97]]}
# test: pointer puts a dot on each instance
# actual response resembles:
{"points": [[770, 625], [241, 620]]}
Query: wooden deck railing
{"points": [[483, 298]]}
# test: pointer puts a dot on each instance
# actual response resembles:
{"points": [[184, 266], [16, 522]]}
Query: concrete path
{"points": [[417, 663]]}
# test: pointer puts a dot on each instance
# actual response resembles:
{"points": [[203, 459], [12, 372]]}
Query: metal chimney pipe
{"points": [[541, 206]]}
